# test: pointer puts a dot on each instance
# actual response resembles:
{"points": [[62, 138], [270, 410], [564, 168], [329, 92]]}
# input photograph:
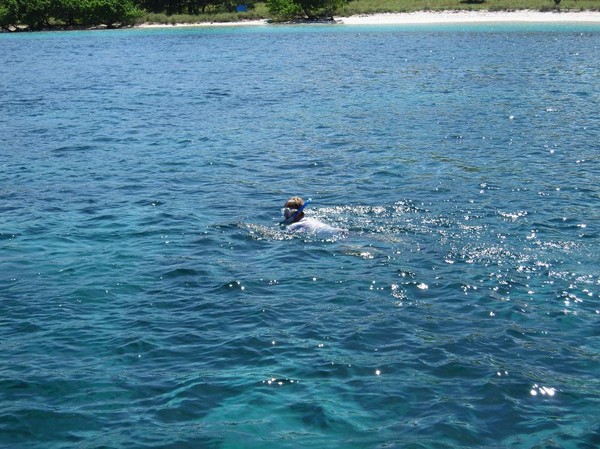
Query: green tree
{"points": [[110, 12], [284, 9], [310, 9], [9, 13], [34, 13], [69, 12]]}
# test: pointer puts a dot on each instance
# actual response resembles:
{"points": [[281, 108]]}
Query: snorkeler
{"points": [[295, 220]]}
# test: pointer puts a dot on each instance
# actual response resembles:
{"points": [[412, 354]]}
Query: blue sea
{"points": [[150, 299]]}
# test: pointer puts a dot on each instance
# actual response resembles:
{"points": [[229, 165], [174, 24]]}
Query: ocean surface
{"points": [[150, 299]]}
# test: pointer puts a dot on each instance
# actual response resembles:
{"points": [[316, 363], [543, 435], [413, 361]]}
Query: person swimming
{"points": [[295, 220]]}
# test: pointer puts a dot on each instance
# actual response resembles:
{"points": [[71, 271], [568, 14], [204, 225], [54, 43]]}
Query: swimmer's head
{"points": [[293, 210], [294, 203]]}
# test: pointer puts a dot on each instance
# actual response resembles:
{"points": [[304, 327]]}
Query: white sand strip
{"points": [[204, 24], [427, 17]]}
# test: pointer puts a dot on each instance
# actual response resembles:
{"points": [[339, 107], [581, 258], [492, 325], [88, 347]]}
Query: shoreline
{"points": [[427, 17]]}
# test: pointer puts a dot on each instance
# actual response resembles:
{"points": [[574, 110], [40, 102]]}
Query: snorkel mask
{"points": [[289, 215]]}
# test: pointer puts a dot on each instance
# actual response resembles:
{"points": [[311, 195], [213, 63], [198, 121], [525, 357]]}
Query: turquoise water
{"points": [[149, 299]]}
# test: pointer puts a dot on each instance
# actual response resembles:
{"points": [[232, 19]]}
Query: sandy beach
{"points": [[426, 17], [431, 17]]}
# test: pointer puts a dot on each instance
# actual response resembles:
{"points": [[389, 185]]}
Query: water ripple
{"points": [[149, 298]]}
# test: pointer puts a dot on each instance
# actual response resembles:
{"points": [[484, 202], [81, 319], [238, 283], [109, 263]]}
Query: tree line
{"points": [[44, 14], [40, 14]]}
